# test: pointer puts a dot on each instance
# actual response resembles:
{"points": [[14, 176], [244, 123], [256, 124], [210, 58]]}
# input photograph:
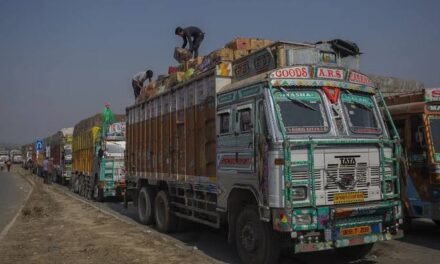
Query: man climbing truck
{"points": [[288, 147], [417, 118], [98, 156]]}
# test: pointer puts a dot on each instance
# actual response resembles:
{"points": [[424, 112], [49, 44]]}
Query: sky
{"points": [[61, 60]]}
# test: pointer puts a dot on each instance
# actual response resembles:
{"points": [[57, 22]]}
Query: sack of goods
{"points": [[182, 55]]}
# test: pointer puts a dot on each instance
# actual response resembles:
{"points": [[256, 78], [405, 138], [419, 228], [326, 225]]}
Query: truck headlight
{"points": [[299, 193], [389, 186], [304, 219]]}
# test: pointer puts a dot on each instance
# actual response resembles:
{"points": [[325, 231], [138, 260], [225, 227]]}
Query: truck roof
{"points": [[391, 86], [67, 131], [95, 120], [277, 55], [422, 96]]}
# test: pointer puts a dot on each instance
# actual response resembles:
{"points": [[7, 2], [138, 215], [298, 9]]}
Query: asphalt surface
{"points": [[13, 191], [420, 245], [422, 242]]}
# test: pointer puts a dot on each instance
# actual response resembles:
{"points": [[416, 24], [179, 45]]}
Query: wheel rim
{"points": [[249, 237]]}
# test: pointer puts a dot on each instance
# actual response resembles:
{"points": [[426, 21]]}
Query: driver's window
{"points": [[245, 120]]}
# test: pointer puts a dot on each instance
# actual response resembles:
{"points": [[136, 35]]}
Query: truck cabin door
{"points": [[244, 137]]}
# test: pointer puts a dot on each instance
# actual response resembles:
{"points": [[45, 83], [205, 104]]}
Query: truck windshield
{"points": [[435, 133], [360, 112], [115, 148], [301, 111]]}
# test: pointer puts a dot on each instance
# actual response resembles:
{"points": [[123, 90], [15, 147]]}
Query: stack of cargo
{"points": [[234, 50]]}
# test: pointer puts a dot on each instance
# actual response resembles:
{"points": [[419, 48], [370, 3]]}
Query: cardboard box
{"points": [[268, 42], [195, 63], [182, 55], [257, 44], [173, 69], [239, 44], [142, 96], [176, 78], [223, 54], [240, 54], [151, 89]]}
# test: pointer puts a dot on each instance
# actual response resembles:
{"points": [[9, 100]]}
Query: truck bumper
{"points": [[330, 227], [111, 189], [346, 242]]}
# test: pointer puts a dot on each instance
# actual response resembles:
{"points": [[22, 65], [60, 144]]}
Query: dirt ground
{"points": [[55, 228]]}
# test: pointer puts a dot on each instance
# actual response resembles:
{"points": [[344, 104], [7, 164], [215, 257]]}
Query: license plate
{"points": [[351, 197], [355, 231]]}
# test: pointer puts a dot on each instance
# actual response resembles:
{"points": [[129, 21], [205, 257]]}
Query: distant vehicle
{"points": [[4, 156], [16, 156], [27, 151], [98, 157], [60, 145], [417, 119]]}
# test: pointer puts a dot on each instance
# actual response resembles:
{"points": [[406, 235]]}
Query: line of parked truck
{"points": [[289, 146], [89, 157]]}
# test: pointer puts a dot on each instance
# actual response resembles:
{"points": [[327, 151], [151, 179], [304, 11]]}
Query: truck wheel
{"points": [[437, 222], [255, 240], [145, 206], [166, 221], [355, 252]]}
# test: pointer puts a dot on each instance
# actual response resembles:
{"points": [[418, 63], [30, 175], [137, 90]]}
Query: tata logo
{"points": [[347, 160]]}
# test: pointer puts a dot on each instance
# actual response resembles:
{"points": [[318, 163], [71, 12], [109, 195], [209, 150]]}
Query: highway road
{"points": [[13, 191]]}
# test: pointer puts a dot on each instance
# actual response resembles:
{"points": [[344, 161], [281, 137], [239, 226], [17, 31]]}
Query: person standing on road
{"points": [[45, 170], [138, 81], [8, 165], [192, 35]]}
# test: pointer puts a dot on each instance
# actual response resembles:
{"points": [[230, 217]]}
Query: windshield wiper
{"points": [[296, 101], [360, 105]]}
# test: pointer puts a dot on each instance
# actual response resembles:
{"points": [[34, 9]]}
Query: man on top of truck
{"points": [[194, 36], [138, 81]]}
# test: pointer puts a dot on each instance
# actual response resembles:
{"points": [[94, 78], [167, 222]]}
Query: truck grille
{"points": [[349, 178], [303, 174]]}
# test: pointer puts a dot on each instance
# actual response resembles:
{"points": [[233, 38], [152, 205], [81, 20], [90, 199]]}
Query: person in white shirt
{"points": [[138, 81]]}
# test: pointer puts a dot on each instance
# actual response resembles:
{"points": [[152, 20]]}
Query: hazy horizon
{"points": [[60, 61]]}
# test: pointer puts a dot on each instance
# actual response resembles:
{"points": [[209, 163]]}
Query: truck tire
{"points": [[146, 206], [355, 252], [437, 222], [255, 240], [166, 221]]}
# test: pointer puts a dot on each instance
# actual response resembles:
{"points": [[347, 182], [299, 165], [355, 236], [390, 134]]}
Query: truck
{"points": [[287, 146], [98, 157], [61, 155], [26, 151], [4, 156], [416, 115], [16, 156]]}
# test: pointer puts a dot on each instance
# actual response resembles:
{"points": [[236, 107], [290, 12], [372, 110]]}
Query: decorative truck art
{"points": [[417, 118], [291, 151]]}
